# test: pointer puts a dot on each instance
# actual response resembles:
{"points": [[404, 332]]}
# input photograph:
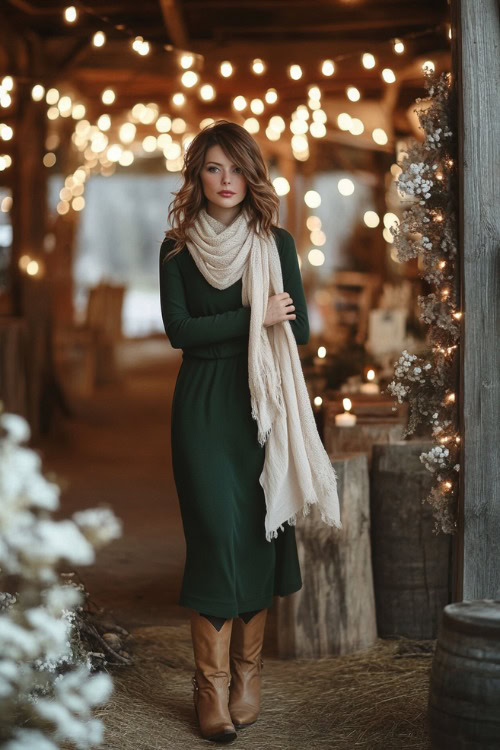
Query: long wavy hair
{"points": [[260, 199]]}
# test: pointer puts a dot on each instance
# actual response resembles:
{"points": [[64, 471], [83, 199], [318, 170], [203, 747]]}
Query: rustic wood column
{"points": [[477, 65], [29, 208]]}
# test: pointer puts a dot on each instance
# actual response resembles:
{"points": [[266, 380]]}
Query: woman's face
{"points": [[219, 174]]}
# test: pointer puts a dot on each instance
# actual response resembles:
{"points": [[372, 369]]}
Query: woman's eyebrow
{"points": [[216, 162]]}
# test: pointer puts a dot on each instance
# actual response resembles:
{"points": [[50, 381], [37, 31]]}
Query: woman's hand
{"points": [[279, 308]]}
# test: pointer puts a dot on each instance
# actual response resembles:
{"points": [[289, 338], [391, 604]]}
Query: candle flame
{"points": [[347, 404], [370, 375]]}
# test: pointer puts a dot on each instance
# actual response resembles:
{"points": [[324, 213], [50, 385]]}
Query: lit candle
{"points": [[370, 386], [346, 419]]}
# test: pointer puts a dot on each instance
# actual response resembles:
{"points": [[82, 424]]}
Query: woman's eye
{"points": [[238, 169]]}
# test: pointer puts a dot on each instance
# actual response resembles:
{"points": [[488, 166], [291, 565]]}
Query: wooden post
{"points": [[477, 66]]}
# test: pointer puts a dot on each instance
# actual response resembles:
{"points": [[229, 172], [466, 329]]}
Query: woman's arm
{"points": [[182, 329], [292, 283]]}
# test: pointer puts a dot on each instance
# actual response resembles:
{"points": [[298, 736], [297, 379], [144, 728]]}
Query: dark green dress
{"points": [[216, 458]]}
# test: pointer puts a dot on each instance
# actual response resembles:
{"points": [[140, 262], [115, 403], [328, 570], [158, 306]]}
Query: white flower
{"points": [[63, 539], [17, 427], [16, 641], [29, 739], [99, 525], [52, 633], [60, 598], [97, 689]]}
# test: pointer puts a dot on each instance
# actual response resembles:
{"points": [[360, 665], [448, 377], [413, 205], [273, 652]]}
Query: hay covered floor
{"points": [[372, 699]]}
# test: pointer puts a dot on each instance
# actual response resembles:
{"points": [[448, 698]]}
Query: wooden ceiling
{"points": [[279, 31]]}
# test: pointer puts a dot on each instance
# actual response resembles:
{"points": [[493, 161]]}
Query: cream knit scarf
{"points": [[297, 471]]}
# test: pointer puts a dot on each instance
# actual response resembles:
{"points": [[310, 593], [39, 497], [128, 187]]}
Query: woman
{"points": [[246, 455]]}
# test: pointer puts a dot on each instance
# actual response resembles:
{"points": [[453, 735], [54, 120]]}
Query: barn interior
{"points": [[98, 104]]}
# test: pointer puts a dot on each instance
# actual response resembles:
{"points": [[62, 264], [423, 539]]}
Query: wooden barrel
{"points": [[410, 562], [464, 695]]}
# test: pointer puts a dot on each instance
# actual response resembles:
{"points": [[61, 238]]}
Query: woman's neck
{"points": [[224, 215]]}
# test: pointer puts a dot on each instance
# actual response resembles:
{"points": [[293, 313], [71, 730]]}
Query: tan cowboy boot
{"points": [[246, 665], [211, 678]]}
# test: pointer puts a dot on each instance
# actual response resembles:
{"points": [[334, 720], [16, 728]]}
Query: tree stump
{"points": [[334, 612], [360, 438], [410, 562]]}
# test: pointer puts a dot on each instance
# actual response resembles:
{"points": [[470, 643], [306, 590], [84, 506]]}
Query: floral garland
{"points": [[428, 231]]}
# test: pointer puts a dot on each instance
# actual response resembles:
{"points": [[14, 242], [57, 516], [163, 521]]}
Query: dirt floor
{"points": [[116, 450]]}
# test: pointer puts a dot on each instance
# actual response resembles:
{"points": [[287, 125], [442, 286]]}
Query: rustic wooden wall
{"points": [[478, 83]]}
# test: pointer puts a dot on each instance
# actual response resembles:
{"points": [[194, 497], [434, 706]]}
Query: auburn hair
{"points": [[260, 199]]}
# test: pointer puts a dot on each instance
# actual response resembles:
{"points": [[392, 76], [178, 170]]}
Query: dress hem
{"points": [[230, 609]]}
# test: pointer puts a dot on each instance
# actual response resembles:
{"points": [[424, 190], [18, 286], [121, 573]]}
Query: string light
{"points": [[189, 78], [327, 68], [70, 14], [108, 96], [178, 99], [37, 92], [257, 106], [368, 60], [379, 136], [316, 257], [300, 146], [312, 199], [388, 75], [226, 69], [99, 39], [186, 61], [258, 66], [207, 92], [239, 103], [295, 72], [271, 96], [450, 398]]}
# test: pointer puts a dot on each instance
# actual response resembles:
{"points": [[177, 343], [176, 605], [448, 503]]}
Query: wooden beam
{"points": [[56, 9], [174, 23], [348, 25], [478, 83]]}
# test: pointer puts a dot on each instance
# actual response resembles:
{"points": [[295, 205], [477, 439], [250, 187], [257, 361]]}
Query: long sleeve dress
{"points": [[230, 567]]}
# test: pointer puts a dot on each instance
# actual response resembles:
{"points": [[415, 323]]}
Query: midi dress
{"points": [[217, 460]]}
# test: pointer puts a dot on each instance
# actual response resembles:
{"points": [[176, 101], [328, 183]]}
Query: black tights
{"points": [[218, 622]]}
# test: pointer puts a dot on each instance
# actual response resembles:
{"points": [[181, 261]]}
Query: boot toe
{"points": [[244, 716], [223, 736]]}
